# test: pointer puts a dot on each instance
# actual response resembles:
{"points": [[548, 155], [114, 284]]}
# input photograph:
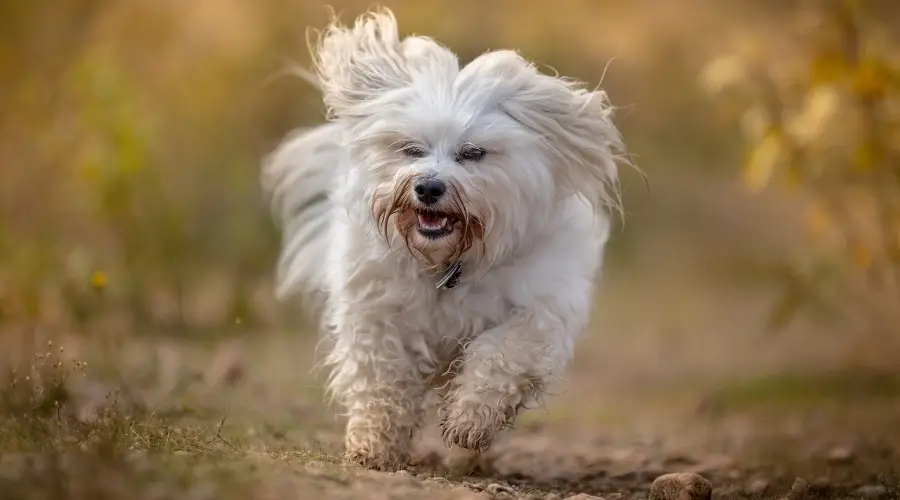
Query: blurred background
{"points": [[767, 244], [132, 134]]}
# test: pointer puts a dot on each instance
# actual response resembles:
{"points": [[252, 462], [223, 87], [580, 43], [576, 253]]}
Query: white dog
{"points": [[453, 220]]}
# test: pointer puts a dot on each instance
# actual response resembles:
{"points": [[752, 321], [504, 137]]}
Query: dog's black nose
{"points": [[429, 190]]}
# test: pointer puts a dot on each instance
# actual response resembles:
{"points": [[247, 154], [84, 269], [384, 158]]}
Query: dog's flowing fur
{"points": [[530, 220]]}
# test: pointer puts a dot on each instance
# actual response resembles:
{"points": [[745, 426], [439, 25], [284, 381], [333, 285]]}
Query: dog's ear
{"points": [[575, 124], [357, 64]]}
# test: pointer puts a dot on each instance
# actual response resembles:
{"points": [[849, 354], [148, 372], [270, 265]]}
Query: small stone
{"points": [[464, 494], [474, 486], [497, 489], [840, 455], [584, 496], [403, 477], [820, 484], [871, 491], [757, 486], [681, 486], [799, 487]]}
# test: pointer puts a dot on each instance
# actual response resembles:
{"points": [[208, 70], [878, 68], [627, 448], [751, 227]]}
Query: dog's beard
{"points": [[438, 234]]}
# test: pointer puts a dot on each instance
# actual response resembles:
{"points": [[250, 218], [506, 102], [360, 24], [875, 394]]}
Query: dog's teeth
{"points": [[444, 222]]}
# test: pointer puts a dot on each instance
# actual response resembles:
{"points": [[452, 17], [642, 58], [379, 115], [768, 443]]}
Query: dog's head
{"points": [[462, 161]]}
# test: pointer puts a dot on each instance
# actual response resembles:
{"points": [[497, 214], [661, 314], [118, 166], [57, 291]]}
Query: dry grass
{"points": [[57, 444]]}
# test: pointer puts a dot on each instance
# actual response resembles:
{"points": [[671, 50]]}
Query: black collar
{"points": [[451, 277]]}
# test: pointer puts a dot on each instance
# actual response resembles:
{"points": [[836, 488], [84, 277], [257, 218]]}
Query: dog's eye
{"points": [[413, 151], [470, 153]]}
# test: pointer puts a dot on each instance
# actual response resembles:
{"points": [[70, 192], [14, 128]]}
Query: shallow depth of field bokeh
{"points": [[760, 269]]}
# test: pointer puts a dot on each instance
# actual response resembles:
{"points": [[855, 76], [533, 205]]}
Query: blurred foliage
{"points": [[118, 195], [824, 122], [131, 134]]}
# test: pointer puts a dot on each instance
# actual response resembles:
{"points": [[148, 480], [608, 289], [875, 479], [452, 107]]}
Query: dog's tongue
{"points": [[428, 219], [432, 220]]}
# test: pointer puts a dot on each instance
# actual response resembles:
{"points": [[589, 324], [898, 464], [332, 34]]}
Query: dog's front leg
{"points": [[504, 370], [375, 380]]}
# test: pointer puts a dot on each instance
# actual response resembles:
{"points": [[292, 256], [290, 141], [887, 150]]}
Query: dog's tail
{"points": [[297, 178]]}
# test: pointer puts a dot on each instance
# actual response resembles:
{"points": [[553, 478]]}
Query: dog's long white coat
{"points": [[298, 176], [491, 345]]}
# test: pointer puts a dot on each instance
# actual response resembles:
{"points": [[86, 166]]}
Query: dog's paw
{"points": [[471, 426], [468, 435], [376, 450]]}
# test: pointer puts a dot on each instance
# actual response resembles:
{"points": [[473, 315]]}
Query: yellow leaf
{"points": [[763, 160], [827, 67], [869, 79], [98, 280], [819, 107]]}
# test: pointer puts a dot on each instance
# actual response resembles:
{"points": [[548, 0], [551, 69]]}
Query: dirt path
{"points": [[239, 420]]}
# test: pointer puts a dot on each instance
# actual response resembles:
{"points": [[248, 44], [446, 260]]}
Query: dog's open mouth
{"points": [[433, 224]]}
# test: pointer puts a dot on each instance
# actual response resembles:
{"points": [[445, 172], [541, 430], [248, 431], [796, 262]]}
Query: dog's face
{"points": [[462, 161], [451, 176]]}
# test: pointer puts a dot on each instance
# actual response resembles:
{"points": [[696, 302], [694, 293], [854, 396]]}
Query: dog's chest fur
{"points": [[433, 323], [390, 295]]}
